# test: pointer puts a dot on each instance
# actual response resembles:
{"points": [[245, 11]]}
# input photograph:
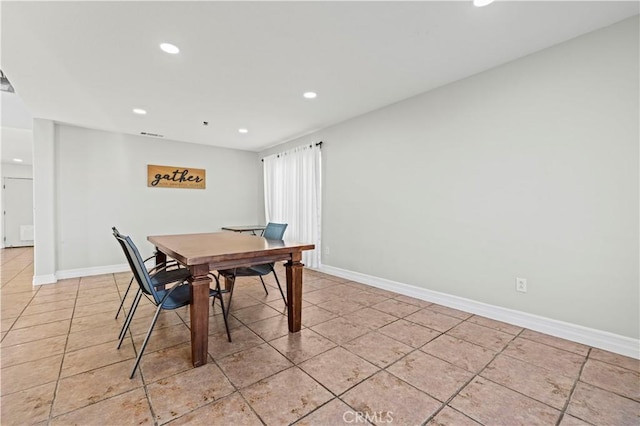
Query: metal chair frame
{"points": [[174, 298], [155, 268], [273, 231], [161, 276]]}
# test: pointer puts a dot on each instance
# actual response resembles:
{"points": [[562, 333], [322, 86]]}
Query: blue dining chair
{"points": [[273, 231], [163, 273], [177, 296]]}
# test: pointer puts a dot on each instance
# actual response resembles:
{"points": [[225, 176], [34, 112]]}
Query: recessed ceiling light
{"points": [[310, 95], [243, 130], [481, 3], [169, 48], [18, 160], [139, 111]]}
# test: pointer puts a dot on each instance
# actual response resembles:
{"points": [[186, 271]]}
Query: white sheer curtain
{"points": [[292, 195]]}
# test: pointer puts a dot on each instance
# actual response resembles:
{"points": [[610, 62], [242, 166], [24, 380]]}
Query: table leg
{"points": [[294, 291], [229, 281], [199, 313], [160, 257]]}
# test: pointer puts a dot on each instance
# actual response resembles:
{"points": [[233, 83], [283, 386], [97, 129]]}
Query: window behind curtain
{"points": [[292, 195]]}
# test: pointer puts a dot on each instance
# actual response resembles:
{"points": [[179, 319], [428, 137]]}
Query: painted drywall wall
{"points": [[526, 170], [101, 181], [17, 171], [44, 190]]}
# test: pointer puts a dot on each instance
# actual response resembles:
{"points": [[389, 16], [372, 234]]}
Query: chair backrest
{"points": [[274, 231], [136, 264], [120, 239]]}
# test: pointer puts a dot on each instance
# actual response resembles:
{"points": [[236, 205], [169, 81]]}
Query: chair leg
{"points": [[215, 277], [230, 290], [213, 300], [132, 309], [129, 318], [146, 340], [279, 287], [263, 285], [123, 298], [224, 312]]}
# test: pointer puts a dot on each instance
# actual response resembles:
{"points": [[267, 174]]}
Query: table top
{"points": [[225, 249], [244, 228]]}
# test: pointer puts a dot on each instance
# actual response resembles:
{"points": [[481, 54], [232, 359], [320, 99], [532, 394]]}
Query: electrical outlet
{"points": [[521, 285], [326, 250]]}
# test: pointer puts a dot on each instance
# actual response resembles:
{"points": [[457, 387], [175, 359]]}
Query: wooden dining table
{"points": [[202, 253]]}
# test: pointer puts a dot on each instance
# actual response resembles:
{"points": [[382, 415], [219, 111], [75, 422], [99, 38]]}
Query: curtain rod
{"points": [[318, 144]]}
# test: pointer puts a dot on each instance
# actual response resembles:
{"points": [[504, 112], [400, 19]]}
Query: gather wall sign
{"points": [[175, 177]]}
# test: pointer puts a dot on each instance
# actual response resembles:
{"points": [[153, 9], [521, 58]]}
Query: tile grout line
{"points": [[409, 353], [340, 345], [236, 389], [19, 271], [442, 333], [182, 319], [338, 397], [573, 388], [83, 372], [139, 369], [294, 365], [25, 306], [519, 335], [214, 360], [64, 355], [456, 393], [335, 396]]}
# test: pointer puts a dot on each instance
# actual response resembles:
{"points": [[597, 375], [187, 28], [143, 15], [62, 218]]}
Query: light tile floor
{"points": [[363, 354]]}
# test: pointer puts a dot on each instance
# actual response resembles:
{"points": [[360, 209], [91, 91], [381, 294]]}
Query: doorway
{"points": [[18, 212]]}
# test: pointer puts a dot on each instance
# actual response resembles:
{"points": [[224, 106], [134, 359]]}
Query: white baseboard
{"points": [[588, 336], [88, 272], [77, 273], [44, 279]]}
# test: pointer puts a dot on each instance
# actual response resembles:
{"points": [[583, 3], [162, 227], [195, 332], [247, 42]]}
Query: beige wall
{"points": [[526, 170], [100, 182]]}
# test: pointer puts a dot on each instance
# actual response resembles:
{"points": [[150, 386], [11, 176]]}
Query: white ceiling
{"points": [[246, 64]]}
